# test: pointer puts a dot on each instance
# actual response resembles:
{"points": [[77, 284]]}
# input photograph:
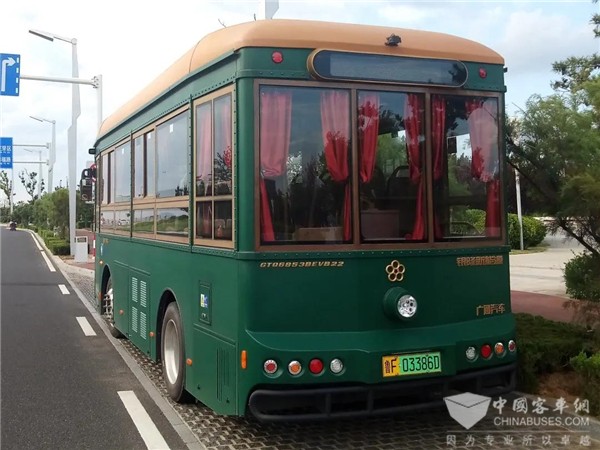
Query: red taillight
{"points": [[277, 57], [270, 366], [482, 73], [512, 346], [486, 351], [315, 366]]}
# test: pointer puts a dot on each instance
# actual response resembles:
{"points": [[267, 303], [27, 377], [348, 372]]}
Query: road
{"points": [[416, 430], [64, 385]]}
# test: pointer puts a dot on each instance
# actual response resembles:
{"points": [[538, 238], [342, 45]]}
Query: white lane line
{"points": [[36, 242], [143, 422], [86, 327], [63, 289], [50, 266]]}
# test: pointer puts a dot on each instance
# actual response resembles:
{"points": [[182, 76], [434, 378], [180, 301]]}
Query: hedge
{"points": [[588, 367]]}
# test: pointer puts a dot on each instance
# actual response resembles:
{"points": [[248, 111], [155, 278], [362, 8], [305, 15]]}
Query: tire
{"points": [[173, 355], [108, 309]]}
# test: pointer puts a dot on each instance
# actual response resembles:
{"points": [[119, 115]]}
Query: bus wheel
{"points": [[173, 355], [108, 309]]}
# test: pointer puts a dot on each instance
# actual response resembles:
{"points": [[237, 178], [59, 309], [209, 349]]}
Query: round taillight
{"points": [[315, 366], [294, 368], [482, 73], [270, 366], [512, 346], [336, 365], [277, 57], [499, 349], [471, 353], [486, 351]]}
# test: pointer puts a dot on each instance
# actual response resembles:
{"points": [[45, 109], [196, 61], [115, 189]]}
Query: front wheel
{"points": [[108, 310], [173, 355]]}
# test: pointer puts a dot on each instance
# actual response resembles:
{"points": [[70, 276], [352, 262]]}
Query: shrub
{"points": [[534, 231], [582, 277], [59, 247], [545, 346], [588, 367]]}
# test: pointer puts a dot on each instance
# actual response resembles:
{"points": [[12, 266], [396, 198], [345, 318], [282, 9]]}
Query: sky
{"points": [[131, 42]]}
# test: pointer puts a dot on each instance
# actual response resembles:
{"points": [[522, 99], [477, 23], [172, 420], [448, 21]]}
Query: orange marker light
{"points": [[244, 359], [188, 361], [121, 312], [152, 334]]}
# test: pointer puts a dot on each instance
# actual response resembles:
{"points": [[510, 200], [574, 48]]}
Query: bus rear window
{"points": [[397, 69], [305, 192]]}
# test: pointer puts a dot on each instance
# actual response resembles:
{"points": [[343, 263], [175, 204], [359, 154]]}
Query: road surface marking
{"points": [[36, 242], [50, 266], [86, 327], [63, 289], [142, 421]]}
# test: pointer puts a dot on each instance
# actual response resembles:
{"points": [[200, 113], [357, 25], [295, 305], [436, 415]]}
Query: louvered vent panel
{"points": [[134, 289], [143, 294], [143, 326]]}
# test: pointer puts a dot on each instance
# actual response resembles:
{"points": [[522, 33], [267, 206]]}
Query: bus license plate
{"points": [[415, 364]]}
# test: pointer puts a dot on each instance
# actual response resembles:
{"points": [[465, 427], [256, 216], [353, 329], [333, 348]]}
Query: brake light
{"points": [[270, 366], [512, 346], [486, 351], [315, 366]]}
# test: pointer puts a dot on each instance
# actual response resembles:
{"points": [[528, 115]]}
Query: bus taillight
{"points": [[315, 366], [512, 346], [336, 365], [277, 57], [295, 368], [270, 366], [486, 351]]}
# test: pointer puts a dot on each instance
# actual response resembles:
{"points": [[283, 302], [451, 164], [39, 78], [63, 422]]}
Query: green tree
{"points": [[555, 145], [29, 180], [5, 184]]}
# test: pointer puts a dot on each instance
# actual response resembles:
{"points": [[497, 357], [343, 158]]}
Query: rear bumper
{"points": [[326, 403]]}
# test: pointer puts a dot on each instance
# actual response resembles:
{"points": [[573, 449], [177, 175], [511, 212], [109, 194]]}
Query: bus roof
{"points": [[283, 33]]}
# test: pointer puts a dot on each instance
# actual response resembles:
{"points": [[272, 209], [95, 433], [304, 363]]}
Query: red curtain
{"points": [[368, 130], [204, 146], [438, 132], [275, 130], [413, 124], [483, 133], [223, 112], [335, 121]]}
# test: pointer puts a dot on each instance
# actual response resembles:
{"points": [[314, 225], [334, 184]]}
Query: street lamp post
{"points": [[72, 132], [52, 153]]}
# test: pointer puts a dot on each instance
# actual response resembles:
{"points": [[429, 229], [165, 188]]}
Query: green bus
{"points": [[306, 220]]}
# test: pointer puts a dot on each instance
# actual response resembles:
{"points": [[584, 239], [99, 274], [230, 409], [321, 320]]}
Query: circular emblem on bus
{"points": [[395, 271]]}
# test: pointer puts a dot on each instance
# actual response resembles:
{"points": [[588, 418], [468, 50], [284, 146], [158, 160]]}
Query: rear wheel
{"points": [[173, 355], [108, 311]]}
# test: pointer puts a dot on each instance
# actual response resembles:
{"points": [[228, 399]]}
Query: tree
{"points": [[5, 184], [30, 182], [555, 145]]}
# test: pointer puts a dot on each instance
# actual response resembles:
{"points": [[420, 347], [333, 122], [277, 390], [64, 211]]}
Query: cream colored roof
{"points": [[282, 33]]}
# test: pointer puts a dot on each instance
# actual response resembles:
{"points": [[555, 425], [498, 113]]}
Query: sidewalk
{"points": [[537, 282]]}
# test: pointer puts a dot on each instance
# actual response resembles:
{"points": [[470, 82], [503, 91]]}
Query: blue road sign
{"points": [[6, 153], [10, 74]]}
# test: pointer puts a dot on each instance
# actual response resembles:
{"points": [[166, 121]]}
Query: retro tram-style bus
{"points": [[306, 220]]}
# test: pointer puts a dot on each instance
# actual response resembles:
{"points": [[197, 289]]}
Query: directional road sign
{"points": [[10, 73], [6, 153]]}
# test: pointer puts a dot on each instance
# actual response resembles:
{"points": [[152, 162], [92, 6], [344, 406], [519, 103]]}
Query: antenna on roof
{"points": [[267, 9]]}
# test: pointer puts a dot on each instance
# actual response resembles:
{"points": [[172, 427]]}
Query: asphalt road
{"points": [[63, 383]]}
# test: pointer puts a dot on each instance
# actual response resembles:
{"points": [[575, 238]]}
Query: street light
{"points": [[72, 132], [52, 154]]}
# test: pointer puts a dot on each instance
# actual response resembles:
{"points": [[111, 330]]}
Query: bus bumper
{"points": [[340, 402]]}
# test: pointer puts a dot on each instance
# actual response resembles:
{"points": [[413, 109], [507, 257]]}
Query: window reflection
{"points": [[143, 221], [305, 193], [392, 185], [466, 167], [172, 221], [172, 161]]}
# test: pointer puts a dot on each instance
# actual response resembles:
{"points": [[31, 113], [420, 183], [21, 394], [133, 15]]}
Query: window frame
{"points": [[356, 243], [212, 199]]}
